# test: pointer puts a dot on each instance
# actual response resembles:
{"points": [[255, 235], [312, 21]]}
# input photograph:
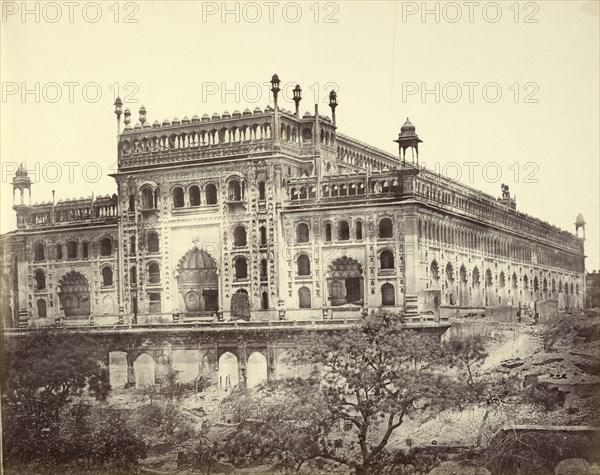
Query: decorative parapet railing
{"points": [[103, 209]]}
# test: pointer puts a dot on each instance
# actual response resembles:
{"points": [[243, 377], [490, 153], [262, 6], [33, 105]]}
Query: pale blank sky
{"points": [[542, 134]]}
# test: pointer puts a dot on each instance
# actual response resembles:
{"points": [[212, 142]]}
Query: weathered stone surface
{"points": [[145, 370], [451, 467], [117, 369], [576, 467]]}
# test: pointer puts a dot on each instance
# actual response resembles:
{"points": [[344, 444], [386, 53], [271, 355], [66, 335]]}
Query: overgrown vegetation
{"points": [[54, 417]]}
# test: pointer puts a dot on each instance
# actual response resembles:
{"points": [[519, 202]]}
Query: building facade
{"points": [[265, 215]]}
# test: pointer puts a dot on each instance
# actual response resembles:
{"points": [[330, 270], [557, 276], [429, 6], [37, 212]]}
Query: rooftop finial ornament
{"points": [[142, 115], [127, 117], [275, 88], [333, 103], [297, 98], [118, 111]]}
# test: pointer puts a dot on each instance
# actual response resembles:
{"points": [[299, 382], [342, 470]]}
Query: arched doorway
{"points": [[198, 282], [74, 295], [145, 371], [345, 282], [256, 370], [228, 371]]}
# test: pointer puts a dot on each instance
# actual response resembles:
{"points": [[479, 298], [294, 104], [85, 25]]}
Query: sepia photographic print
{"points": [[300, 237]]}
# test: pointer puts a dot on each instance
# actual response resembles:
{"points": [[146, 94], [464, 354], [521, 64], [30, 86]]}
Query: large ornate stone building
{"points": [[267, 215]]}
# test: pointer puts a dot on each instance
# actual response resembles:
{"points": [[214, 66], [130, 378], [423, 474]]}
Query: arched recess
{"points": [[345, 282], [198, 281], [74, 295], [228, 371], [108, 305], [256, 370], [144, 369]]}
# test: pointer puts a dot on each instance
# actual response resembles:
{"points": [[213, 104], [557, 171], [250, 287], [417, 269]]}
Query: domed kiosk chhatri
{"points": [[271, 217]]}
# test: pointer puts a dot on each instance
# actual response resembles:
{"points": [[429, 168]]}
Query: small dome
{"points": [[226, 115], [236, 113], [185, 120], [21, 172], [138, 126], [176, 121], [156, 124], [580, 221], [257, 110], [306, 115], [408, 128], [205, 118], [198, 259], [166, 123], [247, 112], [195, 119], [147, 125], [268, 109], [216, 116]]}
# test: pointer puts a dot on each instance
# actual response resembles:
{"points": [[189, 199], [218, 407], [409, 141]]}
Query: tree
{"points": [[42, 376], [367, 381]]}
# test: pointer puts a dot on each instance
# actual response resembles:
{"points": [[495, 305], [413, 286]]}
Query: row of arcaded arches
{"points": [[473, 287], [196, 138], [72, 249]]}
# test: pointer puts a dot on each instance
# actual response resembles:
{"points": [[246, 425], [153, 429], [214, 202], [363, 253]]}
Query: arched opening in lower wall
{"points": [[256, 370], [198, 282], [74, 295], [145, 371], [228, 371], [345, 282]]}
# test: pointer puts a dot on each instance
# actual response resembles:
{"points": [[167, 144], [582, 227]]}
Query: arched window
{"points": [[178, 197], [154, 305], [264, 301], [343, 231], [133, 275], [263, 235], [59, 253], [303, 263], [263, 270], [194, 195], [152, 243], [41, 306], [105, 247], [261, 190], [40, 280], [235, 191], [304, 300], [131, 202], [239, 236], [147, 198], [328, 232], [302, 233], [40, 252], [359, 230], [85, 250], [107, 277], [502, 280], [132, 246], [211, 194], [241, 268], [386, 228], [386, 259], [153, 273], [388, 295], [71, 250]]}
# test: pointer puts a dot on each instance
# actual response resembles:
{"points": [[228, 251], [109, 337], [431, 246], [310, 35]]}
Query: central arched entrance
{"points": [[74, 295], [345, 282], [198, 282]]}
